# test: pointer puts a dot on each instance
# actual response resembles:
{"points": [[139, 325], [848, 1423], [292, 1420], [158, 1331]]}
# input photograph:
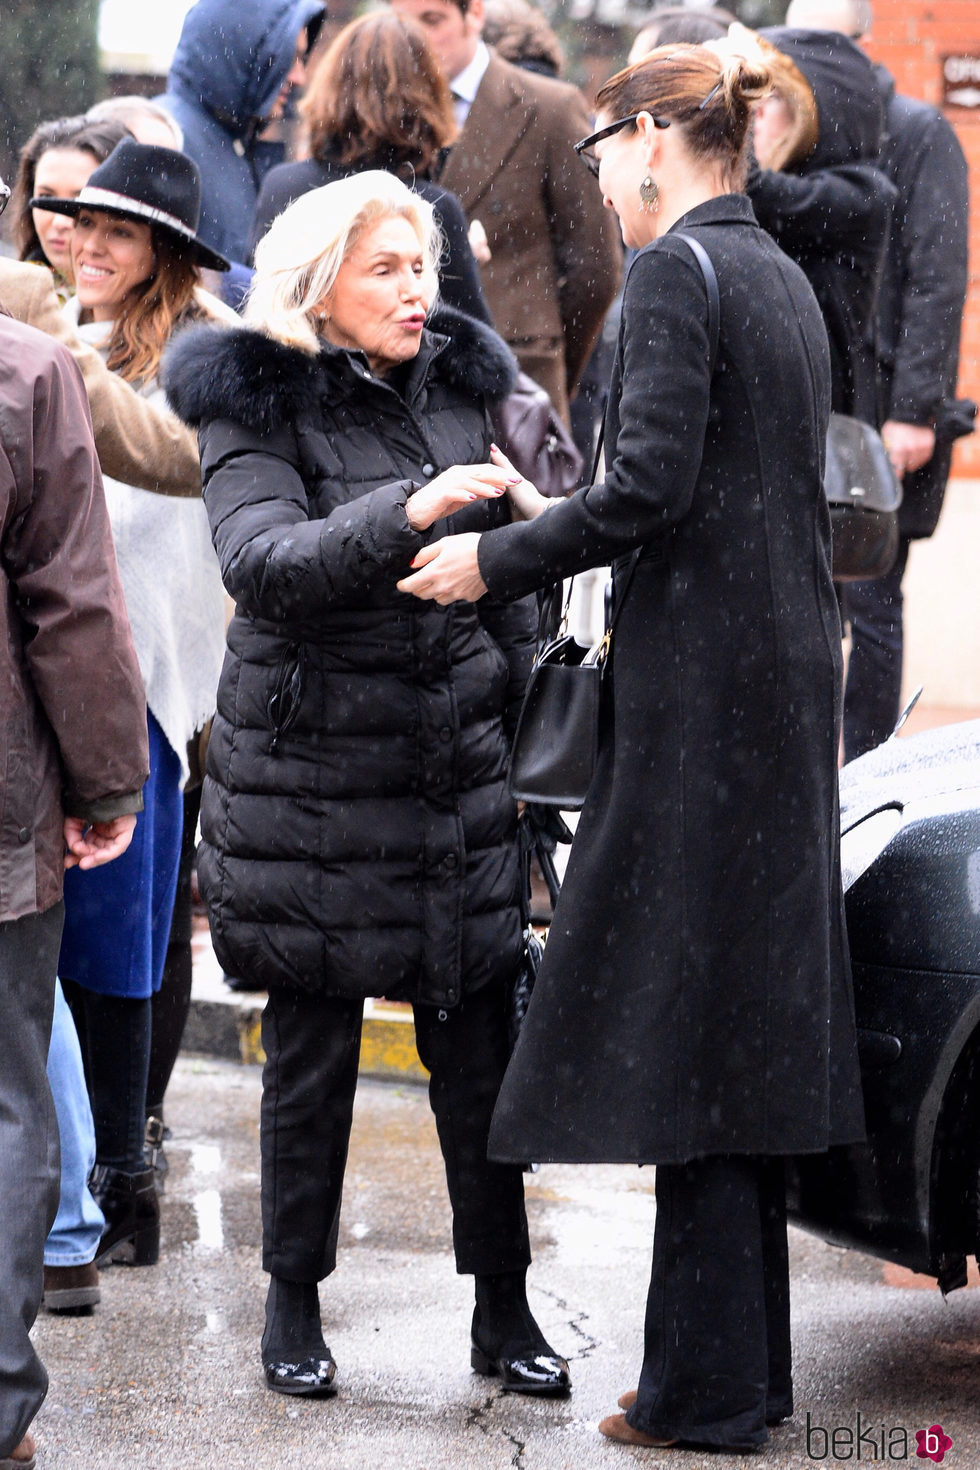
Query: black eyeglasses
{"points": [[4, 196], [583, 147]]}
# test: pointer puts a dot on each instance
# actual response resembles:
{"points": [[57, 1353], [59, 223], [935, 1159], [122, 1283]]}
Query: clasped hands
{"points": [[448, 570]]}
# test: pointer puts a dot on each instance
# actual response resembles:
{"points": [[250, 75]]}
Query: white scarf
{"points": [[172, 584]]}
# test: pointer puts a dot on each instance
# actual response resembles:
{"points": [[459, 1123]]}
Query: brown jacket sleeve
{"points": [[59, 560], [137, 443]]}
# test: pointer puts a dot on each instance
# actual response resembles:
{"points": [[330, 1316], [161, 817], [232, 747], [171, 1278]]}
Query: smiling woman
{"points": [[136, 260], [111, 257]]}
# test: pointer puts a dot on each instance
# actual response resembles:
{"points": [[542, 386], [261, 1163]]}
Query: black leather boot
{"points": [[295, 1357], [131, 1236], [508, 1344]]}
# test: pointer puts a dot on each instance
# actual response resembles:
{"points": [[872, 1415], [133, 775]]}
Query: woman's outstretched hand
{"points": [[458, 486], [526, 502], [447, 571]]}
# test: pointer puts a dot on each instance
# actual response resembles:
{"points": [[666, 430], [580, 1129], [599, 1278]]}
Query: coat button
{"points": [[24, 835], [445, 734], [428, 470], [450, 862]]}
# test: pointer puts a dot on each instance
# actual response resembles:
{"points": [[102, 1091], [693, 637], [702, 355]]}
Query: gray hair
{"points": [[297, 262]]}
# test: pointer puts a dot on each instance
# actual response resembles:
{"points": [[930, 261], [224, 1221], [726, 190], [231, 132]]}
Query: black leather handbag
{"points": [[864, 495], [556, 744], [557, 739]]}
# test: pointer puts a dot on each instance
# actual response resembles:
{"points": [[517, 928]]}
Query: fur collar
{"points": [[240, 374]]}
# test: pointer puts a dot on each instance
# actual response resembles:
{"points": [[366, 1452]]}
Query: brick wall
{"points": [[911, 37]]}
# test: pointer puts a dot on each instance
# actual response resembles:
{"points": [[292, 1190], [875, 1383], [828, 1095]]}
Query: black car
{"points": [[910, 848]]}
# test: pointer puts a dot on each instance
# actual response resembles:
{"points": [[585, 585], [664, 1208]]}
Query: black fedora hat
{"points": [[157, 186]]}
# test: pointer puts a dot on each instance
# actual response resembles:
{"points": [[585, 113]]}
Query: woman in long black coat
{"points": [[358, 838], [693, 1009]]}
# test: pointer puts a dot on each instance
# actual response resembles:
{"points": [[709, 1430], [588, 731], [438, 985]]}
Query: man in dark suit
{"points": [[918, 318], [555, 254]]}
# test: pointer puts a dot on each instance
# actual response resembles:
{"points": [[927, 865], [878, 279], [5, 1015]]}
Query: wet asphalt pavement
{"points": [[166, 1375]]}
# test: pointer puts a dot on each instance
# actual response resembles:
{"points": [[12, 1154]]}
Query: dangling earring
{"points": [[649, 195]]}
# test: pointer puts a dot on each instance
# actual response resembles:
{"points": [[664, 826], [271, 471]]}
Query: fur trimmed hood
{"points": [[241, 374]]}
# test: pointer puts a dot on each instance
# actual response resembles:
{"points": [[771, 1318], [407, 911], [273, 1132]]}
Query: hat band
{"points": [[109, 199]]}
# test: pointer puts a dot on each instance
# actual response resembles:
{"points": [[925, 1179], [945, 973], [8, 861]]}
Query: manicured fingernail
{"points": [[514, 480], [495, 448]]}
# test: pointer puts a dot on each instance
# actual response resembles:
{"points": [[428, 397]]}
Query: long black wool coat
{"points": [[358, 838], [695, 997]]}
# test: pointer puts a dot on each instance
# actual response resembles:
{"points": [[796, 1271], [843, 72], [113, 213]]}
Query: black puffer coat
{"points": [[831, 215], [358, 835]]}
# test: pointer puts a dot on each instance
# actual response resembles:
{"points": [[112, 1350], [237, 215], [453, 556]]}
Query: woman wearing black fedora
{"points": [[136, 261]]}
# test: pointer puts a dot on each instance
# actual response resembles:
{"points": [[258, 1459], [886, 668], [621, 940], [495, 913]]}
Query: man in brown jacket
{"points": [[136, 442], [555, 252], [73, 760]]}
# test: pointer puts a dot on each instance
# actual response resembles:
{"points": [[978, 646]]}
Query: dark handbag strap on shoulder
{"points": [[553, 608], [707, 270]]}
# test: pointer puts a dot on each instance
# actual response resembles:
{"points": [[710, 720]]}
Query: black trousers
{"points": [[873, 691], [114, 1034], [717, 1359], [312, 1045]]}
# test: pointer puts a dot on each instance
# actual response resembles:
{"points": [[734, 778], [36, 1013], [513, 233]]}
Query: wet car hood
{"points": [[937, 763], [910, 851]]}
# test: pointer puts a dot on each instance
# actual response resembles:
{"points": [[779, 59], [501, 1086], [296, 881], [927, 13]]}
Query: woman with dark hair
{"points": [[693, 1009], [136, 263], [378, 99], [56, 162]]}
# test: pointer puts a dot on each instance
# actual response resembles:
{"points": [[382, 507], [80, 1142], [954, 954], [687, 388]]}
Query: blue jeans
{"points": [[77, 1229]]}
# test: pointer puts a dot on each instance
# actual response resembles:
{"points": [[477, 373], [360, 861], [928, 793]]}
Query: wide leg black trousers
{"points": [[312, 1044], [717, 1358]]}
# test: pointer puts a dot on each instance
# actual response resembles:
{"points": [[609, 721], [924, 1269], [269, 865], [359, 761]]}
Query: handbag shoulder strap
{"points": [[714, 332], [714, 323], [711, 288], [707, 270]]}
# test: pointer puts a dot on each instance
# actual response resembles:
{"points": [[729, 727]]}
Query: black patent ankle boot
{"points": [[129, 1202], [295, 1358], [508, 1344]]}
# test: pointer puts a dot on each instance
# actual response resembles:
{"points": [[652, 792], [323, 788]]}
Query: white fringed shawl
{"points": [[173, 590]]}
